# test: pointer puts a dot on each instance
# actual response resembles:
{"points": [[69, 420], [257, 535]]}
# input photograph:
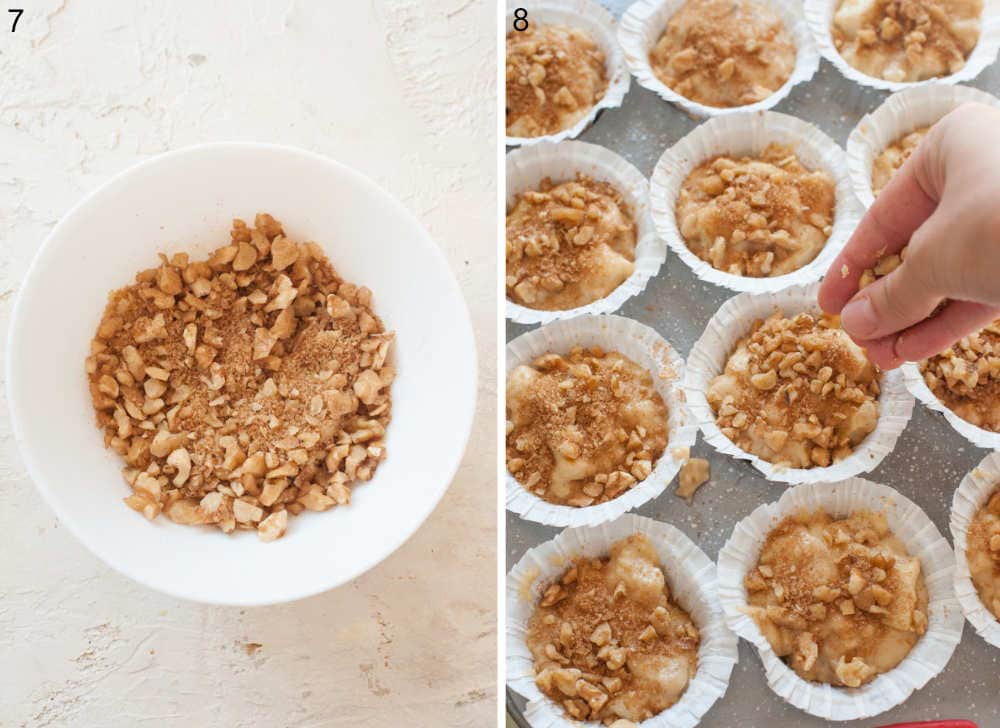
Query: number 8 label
{"points": [[521, 19]]}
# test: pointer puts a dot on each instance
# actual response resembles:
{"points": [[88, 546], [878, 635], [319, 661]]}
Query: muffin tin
{"points": [[926, 466]]}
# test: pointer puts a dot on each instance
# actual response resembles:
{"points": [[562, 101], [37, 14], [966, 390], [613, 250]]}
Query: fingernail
{"points": [[858, 318]]}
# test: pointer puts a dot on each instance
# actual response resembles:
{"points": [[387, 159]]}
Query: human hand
{"points": [[944, 203]]}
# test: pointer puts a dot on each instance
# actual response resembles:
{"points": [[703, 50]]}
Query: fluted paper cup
{"points": [[740, 135], [708, 359], [644, 22], [921, 539], [691, 579], [528, 166], [650, 351], [591, 17]]}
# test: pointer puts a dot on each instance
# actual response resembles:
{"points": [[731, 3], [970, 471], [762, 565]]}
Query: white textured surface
{"points": [[401, 90]]}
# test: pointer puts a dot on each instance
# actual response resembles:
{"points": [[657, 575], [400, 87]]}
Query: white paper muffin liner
{"points": [[591, 17], [898, 115], [708, 359], [819, 17], [915, 383], [742, 135], [691, 579], [528, 166], [971, 495], [644, 22], [650, 351], [921, 538]]}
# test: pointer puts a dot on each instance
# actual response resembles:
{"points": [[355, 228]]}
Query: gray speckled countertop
{"points": [[929, 460]]}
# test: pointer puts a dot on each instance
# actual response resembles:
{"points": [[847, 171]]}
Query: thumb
{"points": [[890, 304]]}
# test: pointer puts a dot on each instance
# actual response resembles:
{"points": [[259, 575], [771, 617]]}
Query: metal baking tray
{"points": [[929, 460]]}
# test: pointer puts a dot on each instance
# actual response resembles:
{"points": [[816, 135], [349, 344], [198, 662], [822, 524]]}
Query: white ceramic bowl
{"points": [[185, 200]]}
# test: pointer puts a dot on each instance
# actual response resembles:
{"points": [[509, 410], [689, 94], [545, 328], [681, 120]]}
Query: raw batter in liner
{"points": [[840, 599]]}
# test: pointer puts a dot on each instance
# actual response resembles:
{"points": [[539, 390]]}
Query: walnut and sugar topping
{"points": [[568, 244], [885, 265], [982, 552], [796, 392], [609, 643], [244, 387], [724, 53], [888, 162], [555, 76], [583, 428], [906, 40], [966, 377], [756, 216], [841, 600]]}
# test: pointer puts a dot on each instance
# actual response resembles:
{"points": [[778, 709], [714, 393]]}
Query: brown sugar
{"points": [[244, 387]]}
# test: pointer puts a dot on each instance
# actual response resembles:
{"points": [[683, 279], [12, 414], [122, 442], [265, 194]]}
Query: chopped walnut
{"points": [[555, 75], [568, 244], [232, 394], [694, 474], [273, 527], [757, 216], [855, 672], [885, 265], [583, 428], [824, 400], [614, 648], [839, 599], [966, 377]]}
